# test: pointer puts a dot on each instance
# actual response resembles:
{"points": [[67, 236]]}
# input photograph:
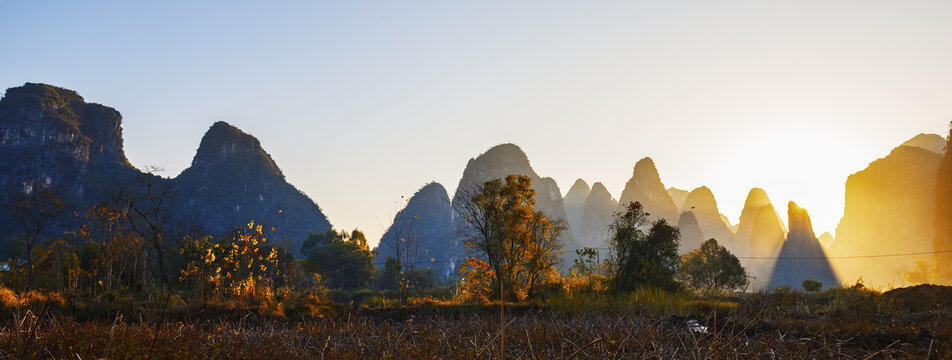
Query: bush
{"points": [[712, 267], [812, 286]]}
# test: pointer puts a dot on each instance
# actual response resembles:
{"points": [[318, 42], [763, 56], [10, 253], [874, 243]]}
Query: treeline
{"points": [[516, 249], [131, 248]]}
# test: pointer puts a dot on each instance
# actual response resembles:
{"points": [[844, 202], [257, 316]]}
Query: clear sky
{"points": [[361, 102]]}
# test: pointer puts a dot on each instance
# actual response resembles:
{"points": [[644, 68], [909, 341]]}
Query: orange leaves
{"points": [[477, 278]]}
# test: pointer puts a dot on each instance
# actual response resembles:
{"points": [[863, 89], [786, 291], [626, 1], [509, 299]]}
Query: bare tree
{"points": [[145, 203], [36, 208], [406, 247]]}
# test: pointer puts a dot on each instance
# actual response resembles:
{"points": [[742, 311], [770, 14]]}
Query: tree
{"points": [[36, 208], [109, 241], [406, 250], [712, 266], [145, 204], [586, 262], [516, 241], [389, 278], [812, 285], [343, 260], [640, 258]]}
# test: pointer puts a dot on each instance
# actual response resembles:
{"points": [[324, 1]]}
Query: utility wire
{"points": [[765, 257], [844, 257]]}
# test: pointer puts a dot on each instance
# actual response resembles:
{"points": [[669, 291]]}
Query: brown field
{"points": [[851, 324]]}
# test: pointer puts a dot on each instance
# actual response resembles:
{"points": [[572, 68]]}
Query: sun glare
{"points": [[793, 163]]}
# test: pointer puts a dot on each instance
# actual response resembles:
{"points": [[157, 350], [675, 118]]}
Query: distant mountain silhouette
{"points": [[801, 256], [645, 187], [507, 159], [826, 239], [701, 202], [758, 207], [890, 209], [931, 142], [52, 135], [233, 180], [760, 233], [575, 205], [597, 215], [678, 196], [691, 234], [427, 223]]}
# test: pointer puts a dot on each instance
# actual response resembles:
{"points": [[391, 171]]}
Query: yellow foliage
{"points": [[9, 298], [477, 278]]}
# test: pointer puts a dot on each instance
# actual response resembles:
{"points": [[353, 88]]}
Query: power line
{"points": [[758, 257], [829, 257], [843, 257]]}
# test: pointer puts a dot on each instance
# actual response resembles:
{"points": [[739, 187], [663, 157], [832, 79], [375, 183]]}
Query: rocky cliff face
{"points": [[702, 203], [575, 205], [890, 208], [645, 186], [801, 256], [53, 136], [426, 223], [233, 180], [597, 215]]}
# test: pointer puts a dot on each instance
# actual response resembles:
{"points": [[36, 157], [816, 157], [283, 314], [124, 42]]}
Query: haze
{"points": [[360, 104]]}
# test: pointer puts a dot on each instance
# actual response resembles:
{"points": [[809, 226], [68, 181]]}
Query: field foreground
{"points": [[530, 333]]}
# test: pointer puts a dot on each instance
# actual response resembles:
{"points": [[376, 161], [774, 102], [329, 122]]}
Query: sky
{"points": [[363, 102]]}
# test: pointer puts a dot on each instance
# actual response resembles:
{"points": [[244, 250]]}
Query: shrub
{"points": [[812, 286]]}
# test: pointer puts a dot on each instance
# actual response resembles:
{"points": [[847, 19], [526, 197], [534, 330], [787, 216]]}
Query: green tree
{"points": [[389, 278], [712, 266], [812, 285], [586, 262], [343, 260], [518, 242], [640, 258]]}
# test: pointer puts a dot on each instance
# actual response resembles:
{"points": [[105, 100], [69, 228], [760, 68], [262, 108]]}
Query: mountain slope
{"points": [[890, 209], [702, 203], [645, 186], [597, 215], [507, 159], [232, 180], [801, 257], [575, 205], [678, 196], [426, 224], [691, 234]]}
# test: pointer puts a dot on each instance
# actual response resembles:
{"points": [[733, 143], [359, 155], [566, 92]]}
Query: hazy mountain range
{"points": [[52, 135]]}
